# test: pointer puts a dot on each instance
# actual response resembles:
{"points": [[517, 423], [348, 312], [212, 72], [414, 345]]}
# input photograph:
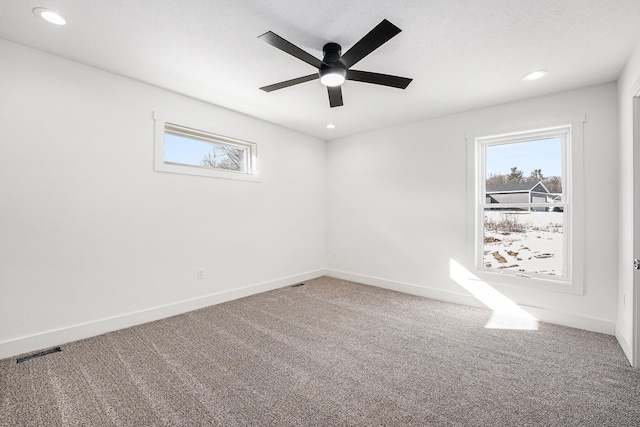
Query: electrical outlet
{"points": [[334, 254], [200, 273]]}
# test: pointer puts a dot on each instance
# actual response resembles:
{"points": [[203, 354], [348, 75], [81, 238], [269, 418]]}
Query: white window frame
{"points": [[201, 132], [571, 132]]}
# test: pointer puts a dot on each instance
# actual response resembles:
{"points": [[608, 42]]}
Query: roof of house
{"points": [[515, 186]]}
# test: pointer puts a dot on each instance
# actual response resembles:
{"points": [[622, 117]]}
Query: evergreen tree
{"points": [[516, 175]]}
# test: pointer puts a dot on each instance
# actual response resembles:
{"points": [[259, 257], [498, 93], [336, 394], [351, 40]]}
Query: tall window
{"points": [[524, 206], [184, 149]]}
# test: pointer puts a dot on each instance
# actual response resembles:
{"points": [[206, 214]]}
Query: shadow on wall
{"points": [[506, 313]]}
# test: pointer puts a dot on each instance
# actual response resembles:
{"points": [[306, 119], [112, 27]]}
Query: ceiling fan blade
{"points": [[335, 96], [276, 41], [373, 40], [378, 79], [291, 82]]}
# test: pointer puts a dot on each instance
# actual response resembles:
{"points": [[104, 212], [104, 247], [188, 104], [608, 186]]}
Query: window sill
{"points": [[562, 286], [161, 166]]}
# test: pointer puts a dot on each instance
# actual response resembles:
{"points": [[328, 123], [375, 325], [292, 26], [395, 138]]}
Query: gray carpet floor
{"points": [[329, 353]]}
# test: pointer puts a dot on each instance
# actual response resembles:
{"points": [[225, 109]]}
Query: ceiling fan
{"points": [[335, 68]]}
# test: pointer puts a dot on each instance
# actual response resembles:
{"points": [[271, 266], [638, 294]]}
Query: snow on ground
{"points": [[537, 248]]}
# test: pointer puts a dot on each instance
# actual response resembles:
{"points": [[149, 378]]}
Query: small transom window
{"points": [[183, 149]]}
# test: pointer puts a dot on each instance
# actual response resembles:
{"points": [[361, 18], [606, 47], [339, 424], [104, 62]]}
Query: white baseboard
{"points": [[93, 328], [406, 288], [61, 336], [542, 314]]}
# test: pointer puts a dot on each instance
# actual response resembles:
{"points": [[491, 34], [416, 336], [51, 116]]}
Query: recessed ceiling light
{"points": [[536, 75], [49, 16], [331, 126]]}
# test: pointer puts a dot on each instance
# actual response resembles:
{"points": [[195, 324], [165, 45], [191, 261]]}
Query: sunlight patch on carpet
{"points": [[506, 313]]}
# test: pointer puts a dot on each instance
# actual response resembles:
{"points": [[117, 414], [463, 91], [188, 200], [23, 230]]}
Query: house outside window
{"points": [[531, 191]]}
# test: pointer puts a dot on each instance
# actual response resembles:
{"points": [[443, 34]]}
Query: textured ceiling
{"points": [[462, 54]]}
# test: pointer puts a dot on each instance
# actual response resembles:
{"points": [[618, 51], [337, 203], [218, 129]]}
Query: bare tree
{"points": [[553, 184], [496, 179], [223, 157], [536, 176]]}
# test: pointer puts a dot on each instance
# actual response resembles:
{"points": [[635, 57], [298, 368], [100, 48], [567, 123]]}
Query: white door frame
{"points": [[635, 325]]}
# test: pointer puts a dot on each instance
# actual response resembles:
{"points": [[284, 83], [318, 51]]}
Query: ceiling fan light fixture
{"points": [[333, 76], [331, 126], [49, 16], [536, 75]]}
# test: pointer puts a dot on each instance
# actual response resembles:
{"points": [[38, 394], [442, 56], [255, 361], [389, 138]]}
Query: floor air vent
{"points": [[298, 285], [40, 354]]}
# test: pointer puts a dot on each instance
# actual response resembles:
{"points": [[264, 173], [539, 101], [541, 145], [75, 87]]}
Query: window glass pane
{"points": [[513, 170], [192, 152], [225, 157], [524, 241]]}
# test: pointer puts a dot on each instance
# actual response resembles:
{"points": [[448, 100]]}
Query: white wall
{"points": [[93, 239], [397, 205], [628, 87]]}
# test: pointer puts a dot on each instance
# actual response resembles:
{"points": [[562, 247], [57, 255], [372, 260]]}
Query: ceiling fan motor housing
{"points": [[331, 52]]}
